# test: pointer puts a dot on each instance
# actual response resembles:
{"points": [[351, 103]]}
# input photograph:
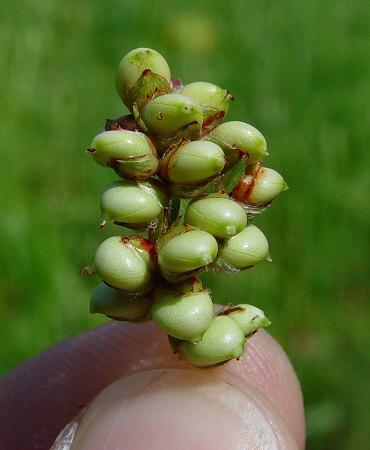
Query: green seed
{"points": [[244, 250], [219, 216], [224, 340], [237, 139], [182, 312], [213, 100], [259, 186], [130, 153], [134, 205], [192, 163], [125, 263], [169, 114], [249, 318], [118, 304], [137, 169], [188, 251], [131, 69]]}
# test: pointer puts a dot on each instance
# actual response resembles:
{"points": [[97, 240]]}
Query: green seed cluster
{"points": [[190, 185]]}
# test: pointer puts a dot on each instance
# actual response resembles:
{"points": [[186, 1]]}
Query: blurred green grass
{"points": [[299, 72]]}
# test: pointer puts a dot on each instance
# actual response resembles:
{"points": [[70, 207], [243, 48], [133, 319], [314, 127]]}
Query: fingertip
{"points": [[68, 376], [182, 409], [267, 367]]}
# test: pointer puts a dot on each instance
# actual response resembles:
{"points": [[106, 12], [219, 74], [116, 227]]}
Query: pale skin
{"points": [[148, 398]]}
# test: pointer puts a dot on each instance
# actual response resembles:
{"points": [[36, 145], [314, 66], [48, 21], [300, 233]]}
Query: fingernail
{"points": [[65, 437], [182, 409]]}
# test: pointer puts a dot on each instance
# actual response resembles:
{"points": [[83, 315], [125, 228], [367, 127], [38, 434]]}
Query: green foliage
{"points": [[299, 71]]}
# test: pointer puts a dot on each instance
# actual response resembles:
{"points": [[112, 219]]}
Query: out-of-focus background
{"points": [[299, 72]]}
